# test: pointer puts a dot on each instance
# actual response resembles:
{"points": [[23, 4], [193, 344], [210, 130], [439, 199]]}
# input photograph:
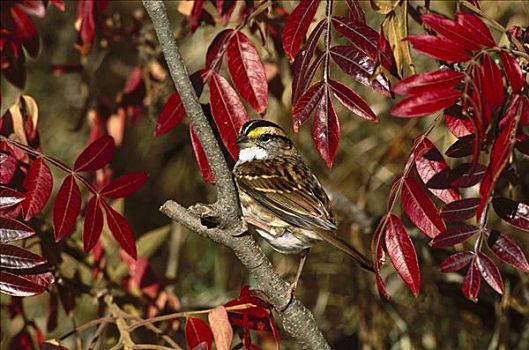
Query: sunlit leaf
{"points": [[296, 26], [221, 328], [424, 82], [12, 230], [429, 162], [38, 184], [507, 250], [247, 72], [228, 112], [425, 103], [515, 213], [490, 273], [402, 253], [198, 331], [420, 208], [471, 282], [439, 48], [13, 257], [326, 129]]}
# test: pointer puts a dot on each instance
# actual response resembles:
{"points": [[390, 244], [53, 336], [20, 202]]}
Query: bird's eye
{"points": [[265, 138]]}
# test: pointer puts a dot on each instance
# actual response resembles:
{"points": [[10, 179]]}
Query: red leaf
{"points": [[247, 71], [420, 83], [58, 4], [352, 101], [194, 17], [507, 251], [85, 14], [456, 262], [429, 162], [217, 48], [454, 235], [198, 331], [8, 165], [9, 197], [41, 279], [12, 230], [515, 213], [451, 30], [124, 185], [420, 208], [228, 112], [224, 10], [306, 104], [302, 76], [463, 147], [67, 207], [200, 156], [492, 94], [490, 273], [458, 124], [173, 111], [381, 288], [17, 286], [355, 10], [25, 31], [221, 328], [93, 223], [439, 48], [171, 115], [96, 155], [402, 254], [500, 153], [425, 103], [38, 184], [471, 282], [296, 26], [359, 66], [326, 129], [120, 230], [32, 8], [14, 257], [460, 210], [467, 174], [524, 115], [476, 29], [364, 38], [512, 71]]}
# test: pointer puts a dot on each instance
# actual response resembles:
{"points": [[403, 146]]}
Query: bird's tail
{"points": [[345, 247]]}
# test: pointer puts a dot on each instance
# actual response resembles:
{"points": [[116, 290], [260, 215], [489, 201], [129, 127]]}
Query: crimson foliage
{"points": [[485, 106]]}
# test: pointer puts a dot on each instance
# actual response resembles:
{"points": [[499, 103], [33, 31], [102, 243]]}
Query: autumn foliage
{"points": [[463, 200]]}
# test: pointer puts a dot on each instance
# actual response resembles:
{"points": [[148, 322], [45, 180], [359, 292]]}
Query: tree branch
{"points": [[297, 320]]}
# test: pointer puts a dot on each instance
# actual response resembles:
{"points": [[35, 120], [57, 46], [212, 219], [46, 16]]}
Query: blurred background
{"points": [[198, 273]]}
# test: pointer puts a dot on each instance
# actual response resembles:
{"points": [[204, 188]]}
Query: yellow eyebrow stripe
{"points": [[256, 132]]}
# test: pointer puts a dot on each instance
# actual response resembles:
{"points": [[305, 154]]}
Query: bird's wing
{"points": [[289, 190]]}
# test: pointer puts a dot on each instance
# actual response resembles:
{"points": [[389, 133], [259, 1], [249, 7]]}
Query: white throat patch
{"points": [[252, 153]]}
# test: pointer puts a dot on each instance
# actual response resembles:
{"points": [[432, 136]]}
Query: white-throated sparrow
{"points": [[281, 197]]}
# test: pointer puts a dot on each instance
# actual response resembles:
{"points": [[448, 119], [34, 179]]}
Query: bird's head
{"points": [[261, 139]]}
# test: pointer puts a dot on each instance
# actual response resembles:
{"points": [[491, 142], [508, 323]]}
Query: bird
{"points": [[282, 198]]}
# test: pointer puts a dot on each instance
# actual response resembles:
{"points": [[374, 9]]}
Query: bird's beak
{"points": [[241, 140]]}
